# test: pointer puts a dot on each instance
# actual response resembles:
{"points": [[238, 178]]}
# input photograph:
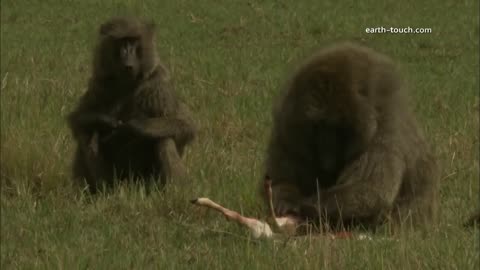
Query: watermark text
{"points": [[397, 30]]}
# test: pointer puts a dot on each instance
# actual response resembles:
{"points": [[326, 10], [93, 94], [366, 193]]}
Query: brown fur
{"points": [[129, 123], [346, 148], [474, 220]]}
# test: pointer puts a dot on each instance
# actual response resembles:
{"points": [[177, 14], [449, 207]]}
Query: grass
{"points": [[228, 60]]}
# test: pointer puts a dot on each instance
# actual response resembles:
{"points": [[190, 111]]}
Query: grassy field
{"points": [[228, 60]]}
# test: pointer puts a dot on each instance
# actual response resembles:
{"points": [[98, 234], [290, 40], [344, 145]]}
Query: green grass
{"points": [[228, 60]]}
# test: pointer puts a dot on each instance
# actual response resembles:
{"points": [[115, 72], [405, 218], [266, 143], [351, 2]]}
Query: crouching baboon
{"points": [[129, 123], [345, 149]]}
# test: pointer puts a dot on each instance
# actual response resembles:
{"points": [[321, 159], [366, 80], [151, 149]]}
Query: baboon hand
{"points": [[109, 122], [93, 147], [135, 126], [284, 207]]}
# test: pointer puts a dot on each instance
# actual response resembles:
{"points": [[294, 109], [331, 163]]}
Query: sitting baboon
{"points": [[129, 123], [345, 149]]}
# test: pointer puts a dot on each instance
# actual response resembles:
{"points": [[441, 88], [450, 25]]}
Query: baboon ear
{"points": [[106, 28], [150, 27]]}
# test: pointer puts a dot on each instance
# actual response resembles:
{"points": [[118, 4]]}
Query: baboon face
{"points": [[129, 57], [341, 109], [126, 48]]}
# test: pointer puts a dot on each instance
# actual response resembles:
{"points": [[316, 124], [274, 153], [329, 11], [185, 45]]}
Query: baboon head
{"points": [[126, 49], [349, 88]]}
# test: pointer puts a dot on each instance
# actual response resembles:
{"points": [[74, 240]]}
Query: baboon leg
{"points": [[422, 208], [82, 173], [171, 162], [367, 189], [419, 211], [90, 168]]}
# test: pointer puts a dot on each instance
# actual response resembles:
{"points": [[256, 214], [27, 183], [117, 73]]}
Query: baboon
{"points": [[129, 123], [473, 220], [345, 149]]}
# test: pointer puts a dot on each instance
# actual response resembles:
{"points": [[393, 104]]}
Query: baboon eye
{"points": [[122, 50]]}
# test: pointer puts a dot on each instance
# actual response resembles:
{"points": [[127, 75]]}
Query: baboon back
{"points": [[345, 147]]}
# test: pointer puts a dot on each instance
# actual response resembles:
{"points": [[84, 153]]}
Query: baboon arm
{"points": [[84, 125], [91, 120], [180, 127], [286, 198], [162, 127], [368, 187], [84, 119], [88, 115], [172, 165]]}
